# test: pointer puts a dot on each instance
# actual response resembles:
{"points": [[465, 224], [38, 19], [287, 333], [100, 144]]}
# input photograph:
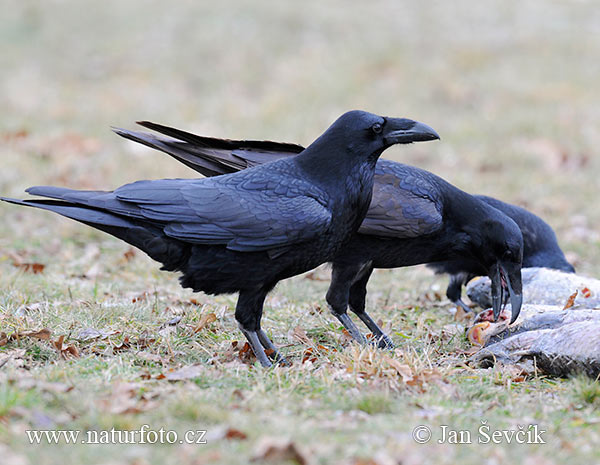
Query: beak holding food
{"points": [[506, 277]]}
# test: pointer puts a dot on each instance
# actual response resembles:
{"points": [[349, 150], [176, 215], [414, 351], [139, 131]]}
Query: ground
{"points": [[95, 337]]}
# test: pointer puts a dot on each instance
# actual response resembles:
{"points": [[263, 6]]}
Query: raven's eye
{"points": [[377, 128]]}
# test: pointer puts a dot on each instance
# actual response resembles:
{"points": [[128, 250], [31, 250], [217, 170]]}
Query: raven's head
{"points": [[365, 135], [497, 244]]}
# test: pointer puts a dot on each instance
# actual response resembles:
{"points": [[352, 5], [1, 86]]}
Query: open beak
{"points": [[506, 277], [405, 131]]}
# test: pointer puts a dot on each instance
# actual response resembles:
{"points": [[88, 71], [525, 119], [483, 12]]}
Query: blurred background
{"points": [[512, 88]]}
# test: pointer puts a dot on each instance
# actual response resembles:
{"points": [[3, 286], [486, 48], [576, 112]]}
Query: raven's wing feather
{"points": [[404, 203], [270, 214]]}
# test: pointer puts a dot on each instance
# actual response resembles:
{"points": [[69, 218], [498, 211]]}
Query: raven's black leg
{"points": [[267, 344], [256, 346], [357, 299], [248, 313], [337, 297], [454, 290]]}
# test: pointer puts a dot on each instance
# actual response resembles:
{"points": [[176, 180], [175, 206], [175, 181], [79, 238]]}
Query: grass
{"points": [[513, 91]]}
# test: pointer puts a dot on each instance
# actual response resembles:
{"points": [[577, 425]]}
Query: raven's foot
{"points": [[382, 339], [269, 347], [351, 327], [257, 347], [460, 303]]}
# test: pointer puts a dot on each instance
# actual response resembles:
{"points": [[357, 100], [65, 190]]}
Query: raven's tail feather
{"points": [[207, 155], [146, 236], [196, 159]]}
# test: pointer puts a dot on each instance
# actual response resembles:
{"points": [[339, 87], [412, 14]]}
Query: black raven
{"points": [[246, 231], [415, 217], [540, 249]]}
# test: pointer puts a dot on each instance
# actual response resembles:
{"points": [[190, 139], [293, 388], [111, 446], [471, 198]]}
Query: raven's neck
{"points": [[333, 162]]}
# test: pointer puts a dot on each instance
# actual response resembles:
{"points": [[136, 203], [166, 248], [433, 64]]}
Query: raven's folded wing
{"points": [[400, 208], [241, 215]]}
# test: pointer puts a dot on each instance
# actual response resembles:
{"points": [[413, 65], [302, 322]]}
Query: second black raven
{"points": [[540, 249], [415, 217], [246, 231]]}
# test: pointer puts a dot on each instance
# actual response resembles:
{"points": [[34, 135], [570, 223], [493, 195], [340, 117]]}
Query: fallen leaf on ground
{"points": [[89, 334], [316, 276], [65, 351], [172, 322], [277, 450], [124, 398], [298, 334], [128, 256], [48, 386], [11, 136], [34, 268], [461, 315], [140, 297], [14, 357], [186, 372], [233, 433], [401, 368], [93, 272], [245, 353], [23, 310], [125, 345], [205, 320], [43, 334]]}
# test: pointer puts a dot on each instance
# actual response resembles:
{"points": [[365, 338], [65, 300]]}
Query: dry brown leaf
{"points": [[43, 334], [461, 315], [316, 276], [233, 433], [34, 268], [65, 351], [570, 300], [299, 335], [89, 334], [308, 356], [128, 256], [379, 459], [205, 320], [186, 372], [125, 399], [425, 377], [277, 450], [140, 297], [401, 368], [12, 136], [93, 272], [48, 386], [125, 345], [245, 353]]}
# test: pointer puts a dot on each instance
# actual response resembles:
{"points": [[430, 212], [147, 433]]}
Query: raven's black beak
{"points": [[506, 276], [405, 131]]}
